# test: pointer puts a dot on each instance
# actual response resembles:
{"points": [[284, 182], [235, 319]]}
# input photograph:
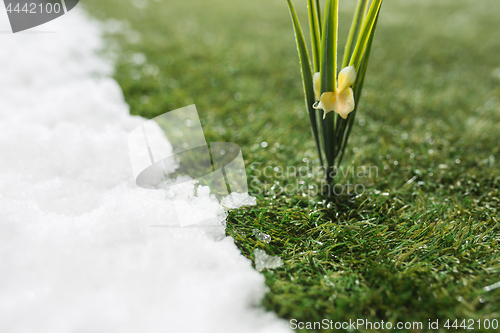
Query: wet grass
{"points": [[418, 238]]}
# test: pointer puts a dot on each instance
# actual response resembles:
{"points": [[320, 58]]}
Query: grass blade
{"points": [[307, 80]]}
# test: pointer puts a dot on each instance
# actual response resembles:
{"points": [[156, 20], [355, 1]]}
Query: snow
{"points": [[78, 252], [263, 260], [158, 163]]}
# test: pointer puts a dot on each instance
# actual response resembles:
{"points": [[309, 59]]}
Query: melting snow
{"points": [[263, 260], [77, 253]]}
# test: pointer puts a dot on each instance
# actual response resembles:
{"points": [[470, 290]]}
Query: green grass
{"points": [[422, 241]]}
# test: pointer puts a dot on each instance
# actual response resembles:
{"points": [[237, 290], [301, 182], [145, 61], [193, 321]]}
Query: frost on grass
{"points": [[263, 260], [77, 250]]}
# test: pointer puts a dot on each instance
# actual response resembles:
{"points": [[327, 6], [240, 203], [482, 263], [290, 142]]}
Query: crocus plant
{"points": [[325, 91]]}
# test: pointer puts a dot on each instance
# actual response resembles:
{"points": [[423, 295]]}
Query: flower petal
{"points": [[328, 102], [317, 85], [345, 102], [347, 77]]}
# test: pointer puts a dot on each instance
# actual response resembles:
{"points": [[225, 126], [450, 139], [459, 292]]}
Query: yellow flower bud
{"points": [[345, 102], [328, 102], [347, 77], [341, 101], [317, 85]]}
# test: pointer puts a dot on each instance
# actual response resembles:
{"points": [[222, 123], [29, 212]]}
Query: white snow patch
{"points": [[236, 200], [77, 253], [263, 260]]}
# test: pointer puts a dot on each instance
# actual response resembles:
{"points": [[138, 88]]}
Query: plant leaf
{"points": [[318, 15], [329, 47], [315, 32], [357, 21], [358, 87], [328, 78], [366, 32], [307, 79]]}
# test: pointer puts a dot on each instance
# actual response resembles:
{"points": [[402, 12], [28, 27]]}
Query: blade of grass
{"points": [[366, 32], [307, 80]]}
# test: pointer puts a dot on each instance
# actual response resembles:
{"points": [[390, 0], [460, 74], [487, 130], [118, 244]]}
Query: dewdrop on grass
{"points": [[265, 238]]}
